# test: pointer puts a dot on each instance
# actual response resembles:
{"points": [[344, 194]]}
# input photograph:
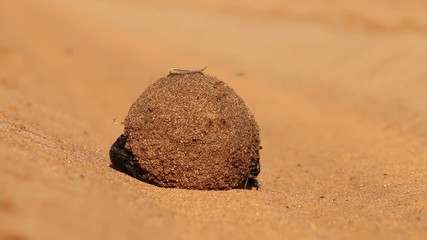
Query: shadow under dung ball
{"points": [[189, 130]]}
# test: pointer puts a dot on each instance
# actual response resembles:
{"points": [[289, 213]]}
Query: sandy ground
{"points": [[339, 89]]}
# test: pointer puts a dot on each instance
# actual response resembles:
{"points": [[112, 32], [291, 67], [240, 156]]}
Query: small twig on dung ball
{"points": [[179, 71], [117, 123]]}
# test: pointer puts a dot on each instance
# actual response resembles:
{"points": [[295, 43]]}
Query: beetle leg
{"points": [[246, 182], [254, 182]]}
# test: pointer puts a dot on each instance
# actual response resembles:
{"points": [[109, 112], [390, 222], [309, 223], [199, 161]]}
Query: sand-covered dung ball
{"points": [[192, 131]]}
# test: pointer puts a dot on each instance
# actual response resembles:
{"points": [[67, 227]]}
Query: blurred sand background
{"points": [[339, 89]]}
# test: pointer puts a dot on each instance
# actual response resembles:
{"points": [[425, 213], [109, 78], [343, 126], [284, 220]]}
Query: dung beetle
{"points": [[124, 161]]}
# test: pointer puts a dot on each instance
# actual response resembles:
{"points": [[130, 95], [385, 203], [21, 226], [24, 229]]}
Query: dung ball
{"points": [[192, 131]]}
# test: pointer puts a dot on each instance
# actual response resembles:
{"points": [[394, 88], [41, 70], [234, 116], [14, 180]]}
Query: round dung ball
{"points": [[192, 131]]}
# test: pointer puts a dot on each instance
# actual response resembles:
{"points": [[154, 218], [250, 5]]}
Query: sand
{"points": [[338, 89]]}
